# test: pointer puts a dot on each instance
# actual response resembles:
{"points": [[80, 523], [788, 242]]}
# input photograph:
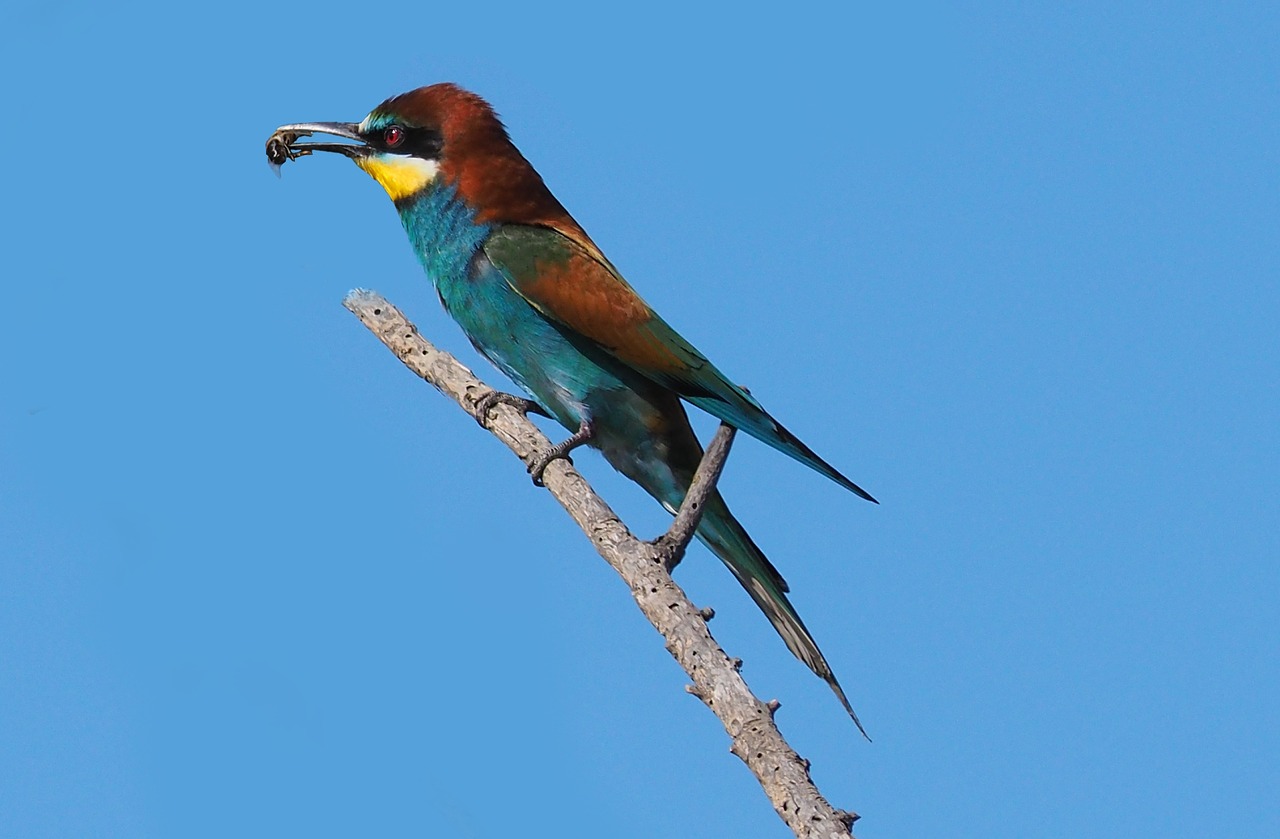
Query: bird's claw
{"points": [[585, 433], [483, 405], [540, 465]]}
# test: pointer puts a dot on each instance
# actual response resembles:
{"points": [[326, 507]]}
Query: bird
{"points": [[537, 297]]}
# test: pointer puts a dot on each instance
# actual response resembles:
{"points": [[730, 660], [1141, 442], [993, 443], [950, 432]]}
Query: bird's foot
{"points": [[483, 405], [585, 433]]}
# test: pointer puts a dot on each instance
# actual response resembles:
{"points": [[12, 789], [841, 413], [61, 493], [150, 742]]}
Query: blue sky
{"points": [[1013, 269]]}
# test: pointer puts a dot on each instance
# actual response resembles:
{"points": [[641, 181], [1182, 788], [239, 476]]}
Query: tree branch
{"points": [[782, 773], [672, 544]]}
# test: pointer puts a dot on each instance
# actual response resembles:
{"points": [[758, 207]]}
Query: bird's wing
{"points": [[571, 283], [566, 278]]}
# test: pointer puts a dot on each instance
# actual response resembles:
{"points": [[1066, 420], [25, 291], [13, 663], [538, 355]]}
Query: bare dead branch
{"points": [[782, 773], [672, 544]]}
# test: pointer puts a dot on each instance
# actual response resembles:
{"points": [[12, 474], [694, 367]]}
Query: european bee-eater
{"points": [[537, 298]]}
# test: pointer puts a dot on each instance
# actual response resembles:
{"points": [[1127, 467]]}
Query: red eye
{"points": [[393, 136]]}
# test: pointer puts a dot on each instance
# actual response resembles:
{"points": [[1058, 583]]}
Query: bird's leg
{"points": [[671, 545], [497, 397], [585, 433]]}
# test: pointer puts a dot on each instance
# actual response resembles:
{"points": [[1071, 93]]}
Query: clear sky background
{"points": [[1014, 270]]}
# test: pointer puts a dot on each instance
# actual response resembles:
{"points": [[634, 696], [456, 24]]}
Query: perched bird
{"points": [[537, 298]]}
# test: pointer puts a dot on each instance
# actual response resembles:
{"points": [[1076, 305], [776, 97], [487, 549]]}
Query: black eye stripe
{"points": [[425, 143]]}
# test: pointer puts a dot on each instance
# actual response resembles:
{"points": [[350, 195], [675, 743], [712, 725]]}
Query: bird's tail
{"points": [[743, 412], [727, 539]]}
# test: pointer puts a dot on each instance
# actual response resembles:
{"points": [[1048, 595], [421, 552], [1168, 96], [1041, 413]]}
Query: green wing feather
{"points": [[569, 281]]}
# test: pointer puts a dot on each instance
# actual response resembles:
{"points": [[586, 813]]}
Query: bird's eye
{"points": [[393, 136]]}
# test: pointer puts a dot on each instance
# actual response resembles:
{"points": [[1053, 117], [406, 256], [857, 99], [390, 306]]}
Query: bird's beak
{"points": [[283, 144]]}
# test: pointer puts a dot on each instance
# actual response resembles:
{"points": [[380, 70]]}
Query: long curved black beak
{"points": [[283, 144]]}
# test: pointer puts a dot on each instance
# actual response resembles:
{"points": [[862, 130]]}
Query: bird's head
{"points": [[432, 135]]}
